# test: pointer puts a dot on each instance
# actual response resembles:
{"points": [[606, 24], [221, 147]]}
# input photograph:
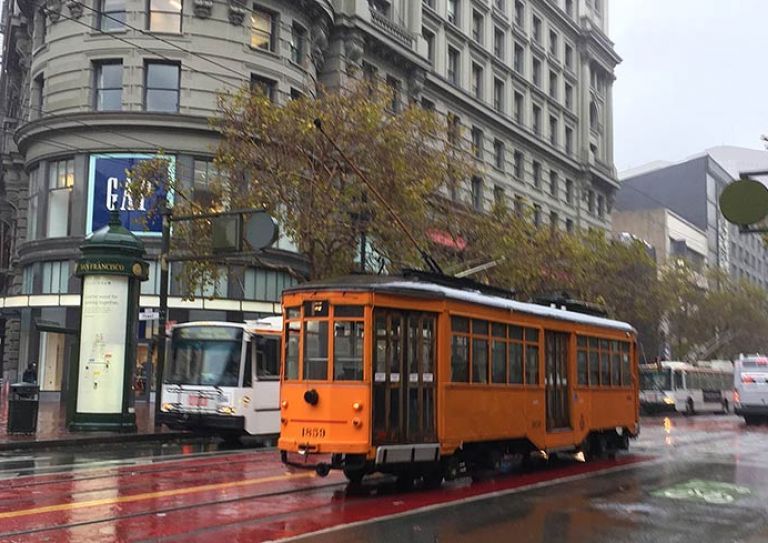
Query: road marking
{"points": [[152, 495]]}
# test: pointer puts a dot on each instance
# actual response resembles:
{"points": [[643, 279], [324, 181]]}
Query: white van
{"points": [[750, 394]]}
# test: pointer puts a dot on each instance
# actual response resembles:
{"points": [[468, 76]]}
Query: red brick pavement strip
{"points": [[52, 431]]}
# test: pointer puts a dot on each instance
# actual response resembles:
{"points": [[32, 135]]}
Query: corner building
{"points": [[89, 87]]}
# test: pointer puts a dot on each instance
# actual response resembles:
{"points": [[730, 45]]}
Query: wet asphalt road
{"points": [[705, 480], [701, 479]]}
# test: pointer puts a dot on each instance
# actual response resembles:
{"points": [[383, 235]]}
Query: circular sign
{"points": [[260, 231], [744, 202]]}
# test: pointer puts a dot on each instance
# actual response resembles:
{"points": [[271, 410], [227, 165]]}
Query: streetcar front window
{"points": [[656, 379], [315, 350], [205, 356]]}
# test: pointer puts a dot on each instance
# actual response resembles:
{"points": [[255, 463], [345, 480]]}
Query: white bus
{"points": [[687, 388], [224, 378], [750, 397]]}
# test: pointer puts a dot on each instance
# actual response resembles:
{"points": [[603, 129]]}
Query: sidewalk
{"points": [[52, 431]]}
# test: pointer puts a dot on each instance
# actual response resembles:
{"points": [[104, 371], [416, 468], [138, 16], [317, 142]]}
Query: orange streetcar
{"points": [[423, 376]]}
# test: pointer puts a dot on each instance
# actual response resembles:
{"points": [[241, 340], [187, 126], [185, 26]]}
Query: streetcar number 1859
{"points": [[312, 432]]}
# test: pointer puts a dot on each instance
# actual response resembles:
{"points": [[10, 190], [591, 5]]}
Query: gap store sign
{"points": [[107, 176]]}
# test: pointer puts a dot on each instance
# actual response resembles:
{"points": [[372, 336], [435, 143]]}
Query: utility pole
{"points": [[165, 247]]}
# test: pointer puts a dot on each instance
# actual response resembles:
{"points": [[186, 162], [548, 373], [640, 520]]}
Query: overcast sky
{"points": [[694, 75]]}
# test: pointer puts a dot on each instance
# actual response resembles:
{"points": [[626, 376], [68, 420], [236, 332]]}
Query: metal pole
{"points": [[363, 243], [165, 247]]}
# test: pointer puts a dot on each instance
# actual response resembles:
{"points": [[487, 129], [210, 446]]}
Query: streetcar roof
{"points": [[409, 287]]}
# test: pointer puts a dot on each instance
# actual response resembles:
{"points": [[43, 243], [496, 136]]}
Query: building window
{"points": [[165, 16], [477, 142], [519, 164], [477, 193], [264, 86], [593, 116], [453, 65], [205, 173], [61, 179], [536, 120], [37, 109], [33, 203], [498, 43], [394, 88], [553, 184], [601, 206], [499, 4], [537, 72], [569, 7], [536, 174], [569, 140], [569, 191], [429, 37], [111, 15], [591, 201], [568, 96], [553, 85], [454, 129], [536, 214], [519, 60], [161, 89], [519, 107], [477, 81], [519, 212], [55, 277], [109, 85], [262, 30], [429, 3], [553, 129], [499, 199], [569, 226], [536, 29], [499, 157], [520, 14], [296, 94], [554, 219], [452, 11], [298, 44], [498, 95], [568, 56], [477, 27], [553, 43], [265, 285]]}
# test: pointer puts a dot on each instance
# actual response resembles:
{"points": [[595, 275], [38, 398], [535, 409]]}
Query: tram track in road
{"points": [[196, 475], [174, 509]]}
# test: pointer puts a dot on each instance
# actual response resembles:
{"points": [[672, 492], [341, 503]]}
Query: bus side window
{"points": [[678, 379], [267, 359], [248, 366]]}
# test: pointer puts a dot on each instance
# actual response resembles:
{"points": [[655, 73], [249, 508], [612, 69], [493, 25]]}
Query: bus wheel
{"points": [[354, 475], [689, 408]]}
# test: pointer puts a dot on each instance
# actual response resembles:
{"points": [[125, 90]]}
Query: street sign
{"points": [[260, 231], [149, 316], [744, 202]]}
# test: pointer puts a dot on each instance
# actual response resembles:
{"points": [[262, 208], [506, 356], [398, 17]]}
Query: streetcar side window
{"points": [[626, 367], [250, 347], [348, 351], [531, 356], [460, 350], [479, 351], [516, 350]]}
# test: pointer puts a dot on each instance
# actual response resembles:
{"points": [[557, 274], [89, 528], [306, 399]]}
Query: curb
{"points": [[91, 440]]}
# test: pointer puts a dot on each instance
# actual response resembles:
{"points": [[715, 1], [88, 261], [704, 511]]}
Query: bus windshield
{"points": [[205, 355], [656, 379]]}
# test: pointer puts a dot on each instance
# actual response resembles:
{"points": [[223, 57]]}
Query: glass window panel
{"points": [[480, 360], [165, 5], [316, 350], [47, 277], [113, 21], [531, 365], [532, 335], [516, 363], [480, 327], [605, 378], [615, 369], [162, 76], [516, 332], [111, 75], [459, 324], [348, 311], [348, 351], [581, 368], [460, 359], [165, 22], [594, 368], [292, 351], [499, 362], [162, 100], [58, 213], [626, 370], [499, 330], [109, 100], [581, 341], [593, 343]]}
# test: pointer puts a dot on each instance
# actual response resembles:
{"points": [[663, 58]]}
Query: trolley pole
{"points": [[165, 246]]}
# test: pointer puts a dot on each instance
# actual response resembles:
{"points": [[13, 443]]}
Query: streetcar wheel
{"points": [[354, 475], [323, 470], [433, 478]]}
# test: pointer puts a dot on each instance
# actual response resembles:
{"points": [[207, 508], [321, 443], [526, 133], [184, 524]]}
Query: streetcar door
{"points": [[556, 380], [404, 377]]}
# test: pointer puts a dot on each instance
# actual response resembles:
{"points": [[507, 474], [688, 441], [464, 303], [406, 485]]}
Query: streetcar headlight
{"points": [[669, 401], [166, 407], [226, 410], [357, 406]]}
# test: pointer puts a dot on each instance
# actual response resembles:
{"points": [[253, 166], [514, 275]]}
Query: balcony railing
{"points": [[392, 28]]}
